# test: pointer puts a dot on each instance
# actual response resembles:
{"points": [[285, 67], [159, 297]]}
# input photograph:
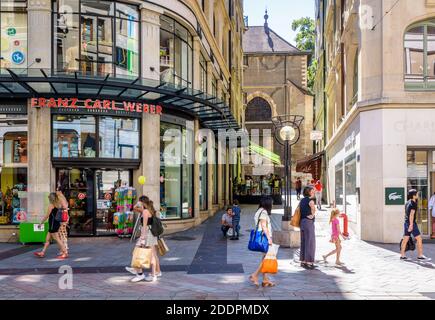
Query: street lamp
{"points": [[287, 133]]}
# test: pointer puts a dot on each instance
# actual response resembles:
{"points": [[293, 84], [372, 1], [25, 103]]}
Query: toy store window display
{"points": [[123, 219], [13, 205], [13, 178]]}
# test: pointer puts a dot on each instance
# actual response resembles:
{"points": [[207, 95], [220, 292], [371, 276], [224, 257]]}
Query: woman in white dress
{"points": [[262, 218]]}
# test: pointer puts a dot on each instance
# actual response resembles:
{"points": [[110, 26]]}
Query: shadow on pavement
{"points": [[428, 251]]}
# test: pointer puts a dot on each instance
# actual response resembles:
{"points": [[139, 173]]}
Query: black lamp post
{"points": [[287, 133]]}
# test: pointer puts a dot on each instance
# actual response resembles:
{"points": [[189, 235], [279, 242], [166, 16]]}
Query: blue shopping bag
{"points": [[258, 241]]}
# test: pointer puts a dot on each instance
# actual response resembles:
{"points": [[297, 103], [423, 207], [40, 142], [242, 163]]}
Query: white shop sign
{"points": [[316, 135], [38, 228]]}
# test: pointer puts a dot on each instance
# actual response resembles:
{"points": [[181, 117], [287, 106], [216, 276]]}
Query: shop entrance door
{"points": [[419, 178], [90, 194], [106, 183], [78, 188]]}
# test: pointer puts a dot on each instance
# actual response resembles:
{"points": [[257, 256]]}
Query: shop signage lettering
{"points": [[91, 104]]}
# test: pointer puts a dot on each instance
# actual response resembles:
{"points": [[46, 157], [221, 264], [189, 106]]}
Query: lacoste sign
{"points": [[394, 196]]}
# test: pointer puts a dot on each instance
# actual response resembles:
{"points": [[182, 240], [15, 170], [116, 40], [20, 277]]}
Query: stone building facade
{"points": [[178, 63], [374, 101], [275, 83]]}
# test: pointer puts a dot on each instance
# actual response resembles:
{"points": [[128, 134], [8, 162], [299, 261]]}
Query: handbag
{"points": [[410, 246], [258, 241], [65, 216], [141, 258], [162, 247], [296, 218]]}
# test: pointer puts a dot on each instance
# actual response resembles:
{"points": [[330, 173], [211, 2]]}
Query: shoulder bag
{"points": [[296, 218], [258, 241]]}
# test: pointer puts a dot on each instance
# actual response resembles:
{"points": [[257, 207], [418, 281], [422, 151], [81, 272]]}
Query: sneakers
{"points": [[131, 270], [404, 258], [234, 238], [150, 278], [138, 278], [159, 274], [424, 259]]}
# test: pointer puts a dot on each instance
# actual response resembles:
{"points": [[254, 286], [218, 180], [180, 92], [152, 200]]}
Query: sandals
{"points": [[254, 282], [267, 284], [63, 256], [39, 254]]}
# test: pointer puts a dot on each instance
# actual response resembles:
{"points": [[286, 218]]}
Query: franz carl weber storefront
{"points": [[95, 149], [95, 146]]}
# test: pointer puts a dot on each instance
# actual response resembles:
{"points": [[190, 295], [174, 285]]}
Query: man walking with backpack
{"points": [[411, 227]]}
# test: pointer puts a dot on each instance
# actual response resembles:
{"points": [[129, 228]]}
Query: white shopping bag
{"points": [[273, 251]]}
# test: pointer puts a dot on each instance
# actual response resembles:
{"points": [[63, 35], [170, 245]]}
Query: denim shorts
{"points": [[415, 231]]}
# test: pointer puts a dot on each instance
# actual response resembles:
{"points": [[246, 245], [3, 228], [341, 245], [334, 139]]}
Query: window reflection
{"points": [[102, 39], [13, 34], [119, 138], [176, 65], [74, 137], [13, 163], [176, 172], [419, 46]]}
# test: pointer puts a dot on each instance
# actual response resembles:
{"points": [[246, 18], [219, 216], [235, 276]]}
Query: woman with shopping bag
{"points": [[145, 253], [263, 225]]}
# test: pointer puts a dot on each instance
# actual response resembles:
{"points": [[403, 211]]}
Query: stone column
{"points": [[219, 177], [227, 176], [220, 86], [210, 176], [150, 40], [39, 27], [196, 65], [41, 175], [196, 180], [210, 78], [1, 148], [150, 151]]}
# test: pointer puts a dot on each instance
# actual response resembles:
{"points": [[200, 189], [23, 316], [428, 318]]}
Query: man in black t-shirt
{"points": [[411, 227]]}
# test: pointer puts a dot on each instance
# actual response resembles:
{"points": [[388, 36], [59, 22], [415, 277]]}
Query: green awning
{"points": [[253, 147]]}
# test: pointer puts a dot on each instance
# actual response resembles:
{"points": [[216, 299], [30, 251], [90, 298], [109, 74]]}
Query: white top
{"points": [[432, 205], [432, 202], [262, 215]]}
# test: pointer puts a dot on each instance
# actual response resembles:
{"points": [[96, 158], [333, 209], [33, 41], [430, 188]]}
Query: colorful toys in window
{"points": [[124, 217], [18, 216]]}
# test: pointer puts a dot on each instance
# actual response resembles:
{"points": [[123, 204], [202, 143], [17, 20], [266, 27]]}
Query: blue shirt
{"points": [[236, 211]]}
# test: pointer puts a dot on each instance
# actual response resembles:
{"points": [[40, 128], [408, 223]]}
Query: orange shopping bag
{"points": [[270, 261]]}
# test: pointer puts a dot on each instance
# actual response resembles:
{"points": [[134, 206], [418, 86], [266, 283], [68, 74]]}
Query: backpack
{"points": [[156, 227]]}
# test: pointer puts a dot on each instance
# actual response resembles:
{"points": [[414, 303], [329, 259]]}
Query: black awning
{"points": [[29, 83]]}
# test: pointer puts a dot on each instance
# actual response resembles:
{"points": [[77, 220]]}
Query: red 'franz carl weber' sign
{"points": [[96, 104]]}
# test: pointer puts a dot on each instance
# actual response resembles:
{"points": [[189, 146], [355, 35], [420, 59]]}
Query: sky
{"points": [[281, 14]]}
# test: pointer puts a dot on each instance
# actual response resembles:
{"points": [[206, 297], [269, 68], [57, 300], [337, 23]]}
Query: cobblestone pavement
{"points": [[203, 265]]}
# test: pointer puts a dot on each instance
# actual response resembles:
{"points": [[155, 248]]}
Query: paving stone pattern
{"points": [[210, 267]]}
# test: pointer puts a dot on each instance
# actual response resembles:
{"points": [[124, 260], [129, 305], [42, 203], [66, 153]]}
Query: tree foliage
{"points": [[306, 41]]}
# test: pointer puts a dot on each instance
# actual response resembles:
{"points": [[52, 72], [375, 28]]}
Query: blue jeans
{"points": [[225, 230], [236, 228]]}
